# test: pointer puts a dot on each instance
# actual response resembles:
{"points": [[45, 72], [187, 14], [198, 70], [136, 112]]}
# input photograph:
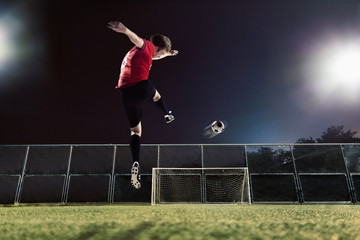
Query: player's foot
{"points": [[169, 117], [135, 175]]}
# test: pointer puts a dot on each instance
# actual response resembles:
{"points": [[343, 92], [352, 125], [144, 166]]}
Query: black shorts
{"points": [[133, 96]]}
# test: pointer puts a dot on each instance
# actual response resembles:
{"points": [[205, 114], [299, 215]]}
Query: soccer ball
{"points": [[214, 129], [217, 126]]}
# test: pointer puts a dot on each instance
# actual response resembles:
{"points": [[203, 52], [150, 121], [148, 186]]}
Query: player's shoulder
{"points": [[148, 44], [148, 48]]}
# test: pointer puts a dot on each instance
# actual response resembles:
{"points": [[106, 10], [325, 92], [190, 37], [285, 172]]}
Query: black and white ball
{"points": [[214, 129]]}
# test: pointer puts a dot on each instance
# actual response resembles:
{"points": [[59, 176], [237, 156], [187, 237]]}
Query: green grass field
{"points": [[257, 221]]}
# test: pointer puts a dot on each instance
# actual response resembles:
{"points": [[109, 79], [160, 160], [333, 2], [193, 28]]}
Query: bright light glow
{"points": [[21, 47], [343, 68], [12, 46], [4, 44], [333, 72], [8, 52]]}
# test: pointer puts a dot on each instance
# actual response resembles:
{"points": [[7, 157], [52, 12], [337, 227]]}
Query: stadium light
{"points": [[9, 27], [334, 72], [4, 44], [14, 48], [343, 67]]}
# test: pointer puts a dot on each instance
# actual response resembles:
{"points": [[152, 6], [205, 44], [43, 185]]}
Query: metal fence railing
{"points": [[101, 172]]}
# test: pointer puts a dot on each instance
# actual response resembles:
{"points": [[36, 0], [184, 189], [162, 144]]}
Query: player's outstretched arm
{"points": [[120, 28], [167, 54]]}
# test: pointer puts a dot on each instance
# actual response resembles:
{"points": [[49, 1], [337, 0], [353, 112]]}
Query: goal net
{"points": [[200, 185]]}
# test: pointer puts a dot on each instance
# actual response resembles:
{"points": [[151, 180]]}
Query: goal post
{"points": [[200, 185]]}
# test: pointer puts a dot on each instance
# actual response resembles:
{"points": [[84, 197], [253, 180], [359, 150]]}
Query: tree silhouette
{"points": [[306, 140], [333, 134]]}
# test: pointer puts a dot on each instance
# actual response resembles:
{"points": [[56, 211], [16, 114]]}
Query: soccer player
{"points": [[136, 87]]}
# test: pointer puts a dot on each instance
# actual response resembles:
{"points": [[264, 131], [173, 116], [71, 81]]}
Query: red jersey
{"points": [[136, 65]]}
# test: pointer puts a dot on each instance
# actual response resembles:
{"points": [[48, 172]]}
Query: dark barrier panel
{"points": [[269, 159], [89, 188], [180, 156], [92, 159], [124, 192], [224, 156], [42, 189], [356, 181], [352, 162], [12, 159], [324, 188], [352, 158], [273, 188], [319, 159], [48, 160], [8, 186], [148, 159]]}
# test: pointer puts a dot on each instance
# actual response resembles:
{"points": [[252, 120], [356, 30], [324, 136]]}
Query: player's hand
{"points": [[173, 52], [117, 26]]}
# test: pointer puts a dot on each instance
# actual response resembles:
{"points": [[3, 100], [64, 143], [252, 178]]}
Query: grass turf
{"points": [[180, 222]]}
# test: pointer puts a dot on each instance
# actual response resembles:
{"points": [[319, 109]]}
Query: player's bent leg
{"points": [[162, 105]]}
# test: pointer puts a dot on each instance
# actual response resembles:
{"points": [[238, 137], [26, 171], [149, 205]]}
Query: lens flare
{"points": [[4, 45], [342, 68], [17, 48], [333, 72], [9, 28]]}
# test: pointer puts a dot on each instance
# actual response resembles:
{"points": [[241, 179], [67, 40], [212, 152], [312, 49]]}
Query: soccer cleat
{"points": [[169, 117], [135, 175]]}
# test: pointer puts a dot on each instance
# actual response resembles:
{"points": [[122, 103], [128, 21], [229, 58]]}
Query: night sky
{"points": [[244, 62]]}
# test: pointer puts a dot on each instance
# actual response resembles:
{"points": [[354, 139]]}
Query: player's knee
{"points": [[136, 130], [157, 96]]}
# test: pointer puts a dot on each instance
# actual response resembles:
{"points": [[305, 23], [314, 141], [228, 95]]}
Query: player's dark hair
{"points": [[161, 41]]}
